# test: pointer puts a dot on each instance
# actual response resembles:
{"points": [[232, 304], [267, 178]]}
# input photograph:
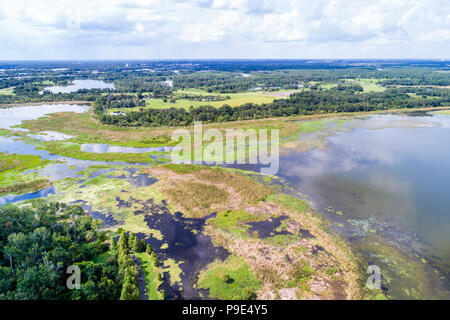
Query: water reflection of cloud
{"points": [[370, 150], [51, 136], [59, 171], [105, 148], [15, 115], [340, 156], [389, 183]]}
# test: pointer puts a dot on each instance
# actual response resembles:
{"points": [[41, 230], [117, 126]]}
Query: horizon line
{"points": [[231, 59]]}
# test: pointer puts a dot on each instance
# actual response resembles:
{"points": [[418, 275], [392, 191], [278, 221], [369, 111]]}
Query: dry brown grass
{"points": [[197, 197], [25, 187], [207, 190], [331, 243], [248, 190], [276, 267]]}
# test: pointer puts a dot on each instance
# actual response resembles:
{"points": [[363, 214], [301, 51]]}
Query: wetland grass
{"points": [[232, 279], [13, 178]]}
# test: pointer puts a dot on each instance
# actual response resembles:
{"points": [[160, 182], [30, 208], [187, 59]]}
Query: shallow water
{"points": [[11, 145], [183, 241], [13, 116], [106, 148], [50, 136], [267, 228], [27, 196], [137, 179], [79, 84]]}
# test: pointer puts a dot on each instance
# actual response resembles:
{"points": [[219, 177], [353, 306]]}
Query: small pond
{"points": [[79, 84]]}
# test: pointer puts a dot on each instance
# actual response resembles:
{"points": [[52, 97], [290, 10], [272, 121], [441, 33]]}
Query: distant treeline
{"points": [[150, 78], [31, 94], [119, 101], [225, 82], [153, 84], [339, 99]]}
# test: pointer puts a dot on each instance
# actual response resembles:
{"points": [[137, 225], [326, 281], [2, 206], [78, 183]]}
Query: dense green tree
{"points": [[39, 244]]}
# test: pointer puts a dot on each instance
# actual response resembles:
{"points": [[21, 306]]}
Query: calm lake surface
{"points": [[80, 84], [10, 117], [390, 181]]}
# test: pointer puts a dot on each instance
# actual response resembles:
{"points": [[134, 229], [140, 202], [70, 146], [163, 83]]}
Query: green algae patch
{"points": [[13, 178], [115, 198], [405, 274], [233, 221], [174, 270], [311, 126], [92, 169], [152, 275], [232, 279]]}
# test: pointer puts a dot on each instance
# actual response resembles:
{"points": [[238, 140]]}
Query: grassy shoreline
{"points": [[32, 104], [13, 180], [86, 129]]}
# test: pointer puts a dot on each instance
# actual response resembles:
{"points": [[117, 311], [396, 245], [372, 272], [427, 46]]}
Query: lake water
{"points": [[391, 181], [80, 84], [27, 196], [13, 116], [51, 136]]}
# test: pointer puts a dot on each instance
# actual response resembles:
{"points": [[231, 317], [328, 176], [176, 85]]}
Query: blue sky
{"points": [[257, 29]]}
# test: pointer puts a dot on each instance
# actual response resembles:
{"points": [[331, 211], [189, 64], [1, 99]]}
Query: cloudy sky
{"points": [[184, 29]]}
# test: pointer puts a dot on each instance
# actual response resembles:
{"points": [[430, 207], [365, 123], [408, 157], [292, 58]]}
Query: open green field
{"points": [[7, 91], [235, 99], [447, 112], [47, 83], [326, 86], [369, 85]]}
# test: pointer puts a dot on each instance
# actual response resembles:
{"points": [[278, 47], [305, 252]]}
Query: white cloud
{"points": [[438, 35], [223, 25], [244, 28]]}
